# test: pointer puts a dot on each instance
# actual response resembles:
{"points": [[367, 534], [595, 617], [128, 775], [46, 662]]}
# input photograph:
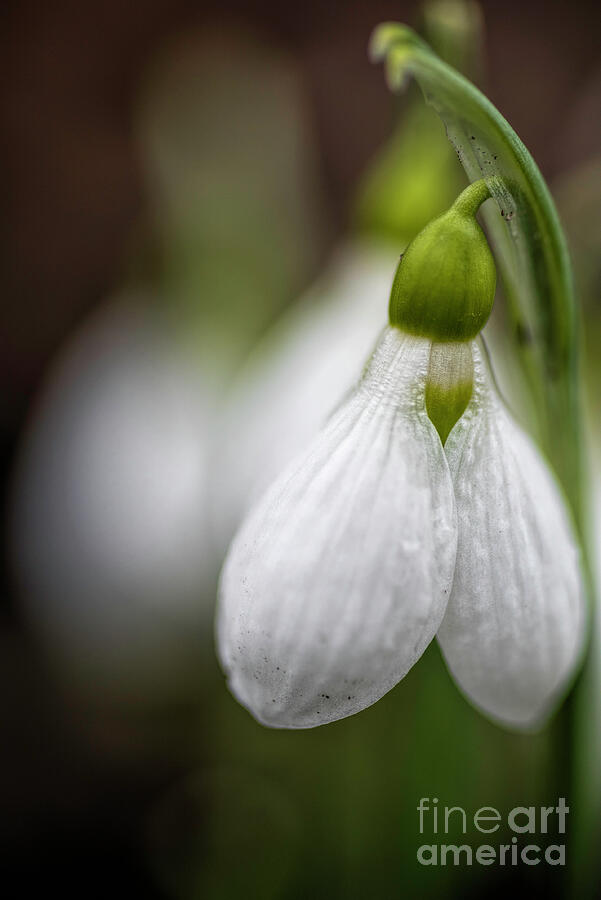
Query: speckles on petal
{"points": [[339, 578]]}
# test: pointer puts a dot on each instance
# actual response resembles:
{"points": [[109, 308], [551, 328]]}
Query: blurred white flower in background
{"points": [[111, 541], [297, 375], [110, 525]]}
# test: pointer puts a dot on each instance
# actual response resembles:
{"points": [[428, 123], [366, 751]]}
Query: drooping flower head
{"points": [[378, 537]]}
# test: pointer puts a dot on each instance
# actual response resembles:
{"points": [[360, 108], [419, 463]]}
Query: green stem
{"points": [[471, 199]]}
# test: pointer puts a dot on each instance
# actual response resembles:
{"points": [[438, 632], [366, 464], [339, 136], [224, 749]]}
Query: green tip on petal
{"points": [[449, 385], [444, 285]]}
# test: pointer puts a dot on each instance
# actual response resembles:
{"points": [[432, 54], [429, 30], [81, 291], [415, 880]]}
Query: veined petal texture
{"points": [[514, 627], [339, 578]]}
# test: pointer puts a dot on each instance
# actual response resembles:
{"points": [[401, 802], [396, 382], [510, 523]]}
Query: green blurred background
{"points": [[197, 194]]}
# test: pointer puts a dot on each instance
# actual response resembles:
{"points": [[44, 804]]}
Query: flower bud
{"points": [[444, 285]]}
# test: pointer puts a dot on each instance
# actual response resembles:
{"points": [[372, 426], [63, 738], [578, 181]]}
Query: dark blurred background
{"points": [[100, 799]]}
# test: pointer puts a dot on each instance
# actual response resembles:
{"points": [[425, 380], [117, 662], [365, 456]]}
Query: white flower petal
{"points": [[513, 630], [339, 579]]}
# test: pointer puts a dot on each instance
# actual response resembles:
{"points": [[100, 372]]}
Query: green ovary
{"points": [[444, 285]]}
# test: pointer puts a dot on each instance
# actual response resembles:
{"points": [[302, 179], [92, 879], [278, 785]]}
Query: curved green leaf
{"points": [[530, 246]]}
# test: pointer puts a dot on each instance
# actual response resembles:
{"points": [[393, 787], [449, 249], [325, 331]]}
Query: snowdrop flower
{"points": [[377, 537]]}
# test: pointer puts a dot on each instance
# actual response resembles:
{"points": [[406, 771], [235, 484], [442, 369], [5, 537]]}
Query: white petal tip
{"points": [[519, 713]]}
